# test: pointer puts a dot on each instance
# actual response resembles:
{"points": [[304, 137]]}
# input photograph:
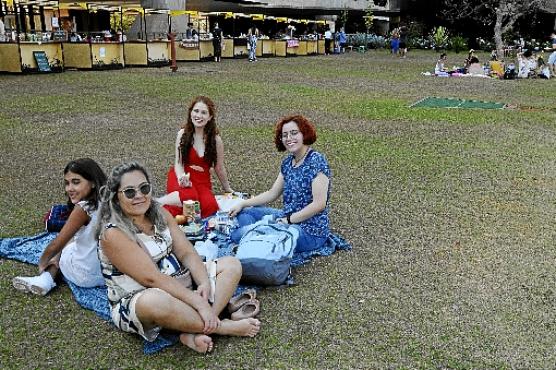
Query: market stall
{"points": [[280, 47], [268, 48], [52, 52], [293, 47]]}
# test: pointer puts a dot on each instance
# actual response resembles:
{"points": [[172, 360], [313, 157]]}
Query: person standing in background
{"points": [[342, 40], [552, 57], [327, 40], [252, 37], [190, 32], [217, 42], [403, 41]]}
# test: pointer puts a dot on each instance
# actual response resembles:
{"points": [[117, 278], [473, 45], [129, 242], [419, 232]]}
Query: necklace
{"points": [[297, 162]]}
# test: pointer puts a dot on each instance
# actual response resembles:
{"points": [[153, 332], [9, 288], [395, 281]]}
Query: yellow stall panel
{"points": [[107, 55], [158, 52], [77, 55], [135, 54], [281, 48], [53, 52], [269, 47], [228, 50], [9, 58]]}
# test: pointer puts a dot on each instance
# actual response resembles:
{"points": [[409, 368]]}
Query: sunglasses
{"points": [[130, 193]]}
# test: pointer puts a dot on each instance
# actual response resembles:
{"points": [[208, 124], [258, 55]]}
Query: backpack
{"points": [[265, 252], [56, 217]]}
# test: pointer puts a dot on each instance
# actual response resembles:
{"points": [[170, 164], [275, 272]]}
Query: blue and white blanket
{"points": [[29, 250]]}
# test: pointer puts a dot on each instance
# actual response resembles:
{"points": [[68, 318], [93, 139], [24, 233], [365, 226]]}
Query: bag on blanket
{"points": [[265, 252], [56, 218]]}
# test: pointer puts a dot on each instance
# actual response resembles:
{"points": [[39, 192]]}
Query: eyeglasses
{"points": [[130, 193], [290, 134]]}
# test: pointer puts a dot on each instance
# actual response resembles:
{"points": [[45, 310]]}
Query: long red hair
{"points": [[210, 132]]}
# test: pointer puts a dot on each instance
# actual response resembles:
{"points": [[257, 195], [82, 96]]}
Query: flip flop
{"points": [[249, 309], [239, 300]]}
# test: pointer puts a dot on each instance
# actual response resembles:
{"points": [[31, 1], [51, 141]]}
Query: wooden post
{"points": [[173, 65]]}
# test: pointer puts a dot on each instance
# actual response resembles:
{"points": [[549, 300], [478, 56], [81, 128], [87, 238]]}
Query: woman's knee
{"points": [[229, 264], [154, 303]]}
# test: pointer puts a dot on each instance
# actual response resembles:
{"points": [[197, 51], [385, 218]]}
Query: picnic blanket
{"points": [[29, 250], [436, 102]]}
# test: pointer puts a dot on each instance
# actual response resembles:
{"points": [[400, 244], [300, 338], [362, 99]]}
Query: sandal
{"points": [[239, 300], [249, 309]]}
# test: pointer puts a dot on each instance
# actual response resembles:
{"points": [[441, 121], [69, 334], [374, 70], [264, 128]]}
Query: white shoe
{"points": [[40, 285]]}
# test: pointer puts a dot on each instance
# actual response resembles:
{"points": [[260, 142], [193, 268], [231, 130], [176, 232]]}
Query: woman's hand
{"points": [[234, 210], [44, 262], [282, 220], [184, 180], [204, 291], [210, 319]]}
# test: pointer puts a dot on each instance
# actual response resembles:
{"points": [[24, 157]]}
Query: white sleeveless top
{"points": [[79, 260]]}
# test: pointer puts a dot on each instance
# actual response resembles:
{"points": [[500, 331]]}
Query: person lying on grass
{"points": [[74, 250], [140, 248]]}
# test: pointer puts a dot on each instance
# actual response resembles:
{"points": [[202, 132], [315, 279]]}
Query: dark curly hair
{"points": [[90, 171], [210, 132], [306, 127]]}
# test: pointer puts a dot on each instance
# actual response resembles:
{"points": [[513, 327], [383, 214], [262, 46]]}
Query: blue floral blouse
{"points": [[298, 191]]}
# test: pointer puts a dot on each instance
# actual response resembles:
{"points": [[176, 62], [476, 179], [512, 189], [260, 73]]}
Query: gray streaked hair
{"points": [[110, 211]]}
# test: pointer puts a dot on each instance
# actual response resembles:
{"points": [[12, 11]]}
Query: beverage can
{"points": [[192, 210]]}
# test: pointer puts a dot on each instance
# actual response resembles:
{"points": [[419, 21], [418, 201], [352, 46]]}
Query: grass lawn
{"points": [[450, 211]]}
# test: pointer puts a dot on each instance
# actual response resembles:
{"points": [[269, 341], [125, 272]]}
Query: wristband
{"points": [[288, 219]]}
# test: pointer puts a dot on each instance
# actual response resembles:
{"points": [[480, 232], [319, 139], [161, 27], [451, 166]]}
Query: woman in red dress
{"points": [[199, 148]]}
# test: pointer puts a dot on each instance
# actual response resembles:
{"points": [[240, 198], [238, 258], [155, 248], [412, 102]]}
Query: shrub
{"points": [[457, 43], [439, 37], [370, 41]]}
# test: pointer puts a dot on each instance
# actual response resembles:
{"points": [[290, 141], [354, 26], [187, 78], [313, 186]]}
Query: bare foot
{"points": [[197, 342], [241, 328]]}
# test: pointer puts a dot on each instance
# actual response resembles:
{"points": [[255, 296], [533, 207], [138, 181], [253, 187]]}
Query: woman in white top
{"points": [[74, 250]]}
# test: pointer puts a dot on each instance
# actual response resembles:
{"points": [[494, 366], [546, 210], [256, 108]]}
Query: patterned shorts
{"points": [[125, 318]]}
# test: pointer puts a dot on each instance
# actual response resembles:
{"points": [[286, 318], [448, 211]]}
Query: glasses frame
{"points": [[136, 190], [292, 134]]}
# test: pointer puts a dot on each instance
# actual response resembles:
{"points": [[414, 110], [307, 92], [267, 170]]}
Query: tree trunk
{"points": [[498, 30]]}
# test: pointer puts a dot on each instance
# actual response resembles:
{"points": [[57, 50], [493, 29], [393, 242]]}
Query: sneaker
{"points": [[39, 285]]}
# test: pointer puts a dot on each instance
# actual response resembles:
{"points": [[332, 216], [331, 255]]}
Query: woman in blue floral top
{"points": [[304, 182]]}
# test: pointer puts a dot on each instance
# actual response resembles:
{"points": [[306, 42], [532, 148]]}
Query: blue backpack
{"points": [[265, 252]]}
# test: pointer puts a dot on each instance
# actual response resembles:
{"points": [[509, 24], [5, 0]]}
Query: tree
{"points": [[369, 18], [501, 15]]}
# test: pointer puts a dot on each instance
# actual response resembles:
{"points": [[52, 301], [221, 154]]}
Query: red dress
{"points": [[201, 186]]}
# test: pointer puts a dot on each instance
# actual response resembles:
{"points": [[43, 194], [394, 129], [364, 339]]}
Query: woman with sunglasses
{"points": [[304, 182], [74, 250], [199, 148], [140, 248]]}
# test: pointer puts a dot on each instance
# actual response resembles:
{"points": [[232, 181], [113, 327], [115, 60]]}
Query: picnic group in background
{"points": [[528, 65]]}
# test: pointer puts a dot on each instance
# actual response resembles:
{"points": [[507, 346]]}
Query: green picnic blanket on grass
{"points": [[434, 102]]}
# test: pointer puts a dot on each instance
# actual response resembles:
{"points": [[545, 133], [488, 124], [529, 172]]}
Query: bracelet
{"points": [[288, 219]]}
